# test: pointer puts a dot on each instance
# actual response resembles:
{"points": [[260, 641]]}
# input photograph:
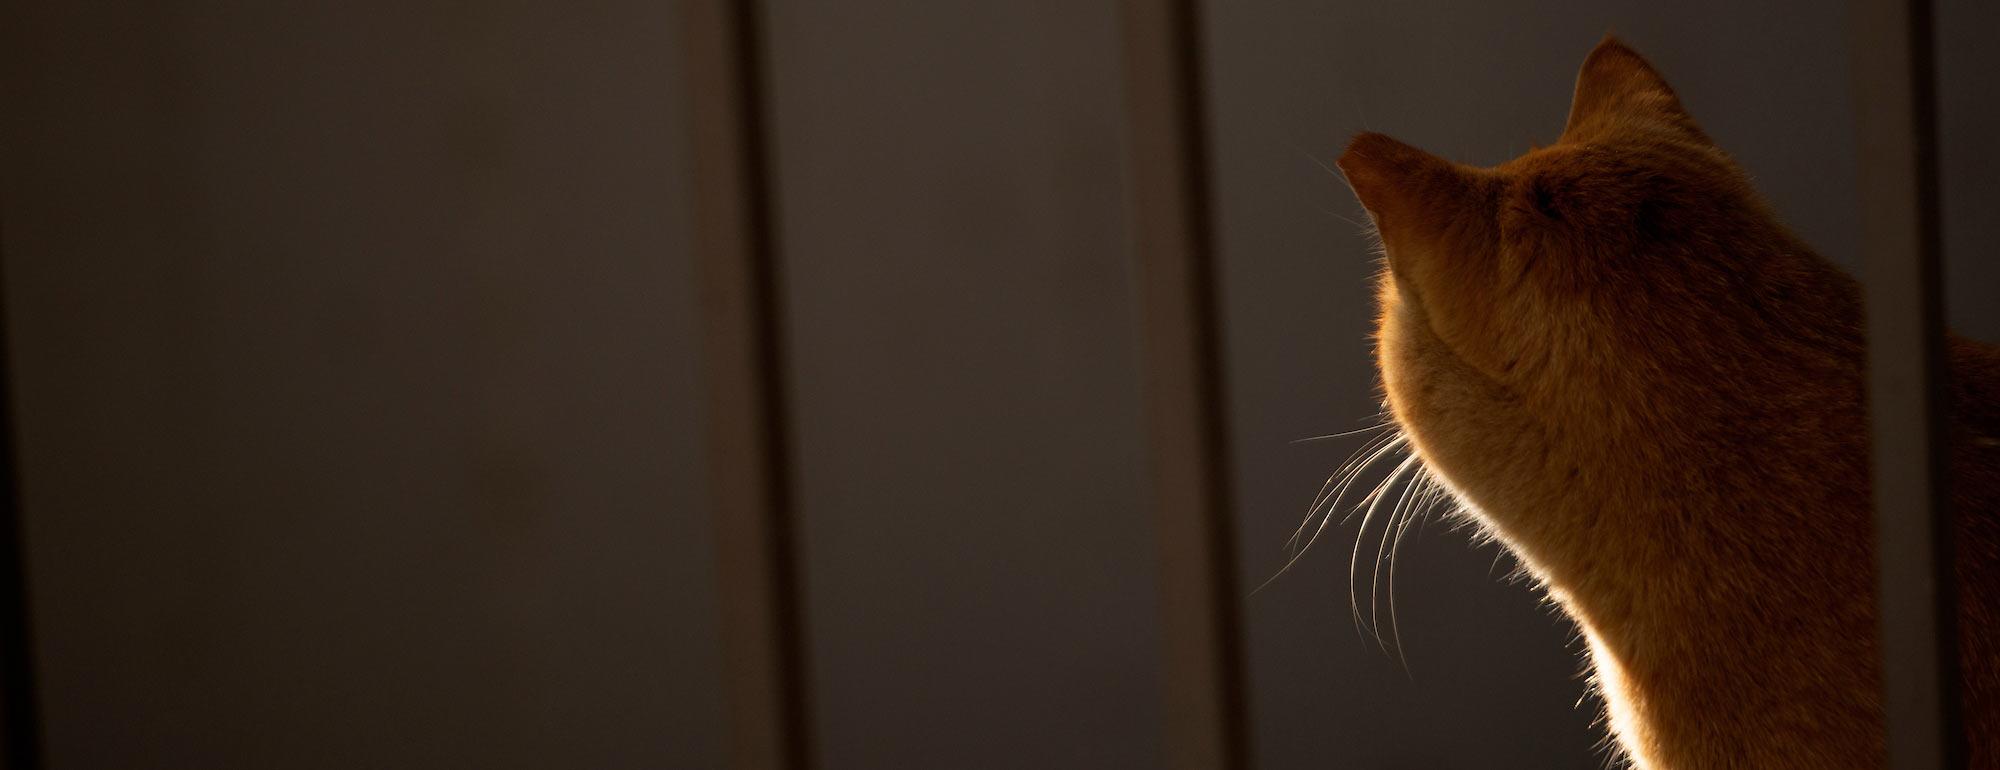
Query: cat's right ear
{"points": [[1401, 186], [1617, 89]]}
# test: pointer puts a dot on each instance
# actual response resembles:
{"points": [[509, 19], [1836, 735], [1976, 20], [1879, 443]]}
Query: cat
{"points": [[1626, 370]]}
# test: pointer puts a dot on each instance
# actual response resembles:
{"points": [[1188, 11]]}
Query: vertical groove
{"points": [[20, 724], [1896, 108], [1186, 400], [743, 358]]}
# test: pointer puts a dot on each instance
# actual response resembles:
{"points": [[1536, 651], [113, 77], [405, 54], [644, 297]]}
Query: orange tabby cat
{"points": [[1645, 386]]}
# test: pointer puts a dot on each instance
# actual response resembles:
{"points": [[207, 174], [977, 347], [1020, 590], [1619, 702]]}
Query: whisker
{"points": [[1373, 501], [1395, 523], [1371, 445], [1439, 495], [1357, 225], [1340, 473], [1324, 165], [1364, 500], [1356, 476], [1426, 497], [1342, 434], [1351, 472]]}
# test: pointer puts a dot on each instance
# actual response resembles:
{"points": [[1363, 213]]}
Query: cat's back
{"points": [[1975, 492]]}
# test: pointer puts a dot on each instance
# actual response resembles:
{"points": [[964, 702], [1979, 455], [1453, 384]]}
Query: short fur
{"points": [[1615, 356]]}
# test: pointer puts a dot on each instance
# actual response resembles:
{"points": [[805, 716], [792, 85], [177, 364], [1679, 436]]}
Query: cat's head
{"points": [[1619, 292]]}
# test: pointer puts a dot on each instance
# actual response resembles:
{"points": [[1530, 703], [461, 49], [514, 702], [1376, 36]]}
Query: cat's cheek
{"points": [[1414, 365], [1399, 354], [1463, 426]]}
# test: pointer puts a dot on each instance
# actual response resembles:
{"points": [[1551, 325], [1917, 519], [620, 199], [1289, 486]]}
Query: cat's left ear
{"points": [[1403, 187], [1618, 90]]}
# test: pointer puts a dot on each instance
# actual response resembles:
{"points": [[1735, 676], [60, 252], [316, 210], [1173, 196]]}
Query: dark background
{"points": [[356, 387]]}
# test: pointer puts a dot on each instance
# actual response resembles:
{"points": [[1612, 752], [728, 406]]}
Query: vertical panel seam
{"points": [[742, 315], [1167, 126], [22, 728], [1896, 109]]}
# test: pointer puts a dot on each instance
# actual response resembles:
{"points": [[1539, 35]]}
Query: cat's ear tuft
{"points": [[1391, 178], [1618, 89]]}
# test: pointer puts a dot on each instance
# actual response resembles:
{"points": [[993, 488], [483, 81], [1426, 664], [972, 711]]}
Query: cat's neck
{"points": [[1714, 624]]}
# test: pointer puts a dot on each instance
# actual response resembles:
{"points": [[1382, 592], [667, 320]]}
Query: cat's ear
{"points": [[1400, 184], [1618, 90]]}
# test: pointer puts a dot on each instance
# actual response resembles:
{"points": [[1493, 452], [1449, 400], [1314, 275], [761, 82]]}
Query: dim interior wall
{"points": [[1969, 165], [351, 369], [960, 314], [356, 409]]}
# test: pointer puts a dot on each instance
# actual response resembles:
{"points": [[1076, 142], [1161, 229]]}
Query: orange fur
{"points": [[1651, 391]]}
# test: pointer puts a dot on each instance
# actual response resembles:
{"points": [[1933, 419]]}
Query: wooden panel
{"points": [[746, 432], [352, 358], [979, 561], [1968, 75], [1186, 431], [1896, 113]]}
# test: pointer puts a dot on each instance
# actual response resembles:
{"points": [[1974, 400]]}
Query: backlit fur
{"points": [[1652, 392]]}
